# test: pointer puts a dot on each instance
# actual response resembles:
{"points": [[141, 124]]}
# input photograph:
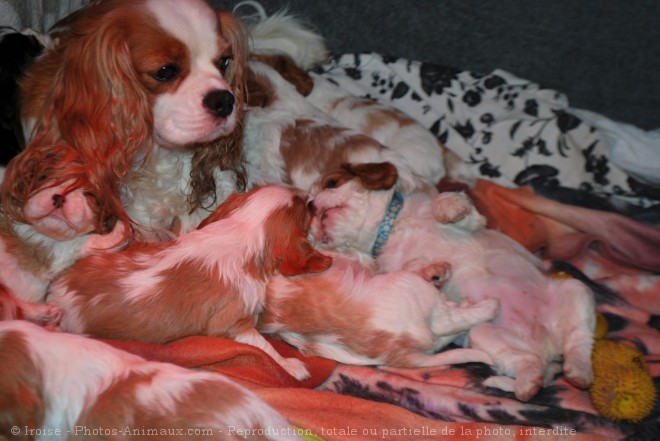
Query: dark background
{"points": [[603, 54]]}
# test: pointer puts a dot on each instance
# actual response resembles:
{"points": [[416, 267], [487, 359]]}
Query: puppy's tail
{"points": [[282, 33]]}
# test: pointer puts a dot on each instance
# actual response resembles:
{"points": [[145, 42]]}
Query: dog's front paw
{"points": [[488, 309], [48, 316], [296, 368], [450, 207]]}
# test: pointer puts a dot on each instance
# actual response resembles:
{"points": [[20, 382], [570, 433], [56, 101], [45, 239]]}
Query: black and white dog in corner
{"points": [[17, 51]]}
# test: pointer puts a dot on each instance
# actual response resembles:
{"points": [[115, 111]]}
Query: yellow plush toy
{"points": [[623, 389]]}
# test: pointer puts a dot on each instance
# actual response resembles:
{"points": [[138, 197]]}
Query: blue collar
{"points": [[386, 225]]}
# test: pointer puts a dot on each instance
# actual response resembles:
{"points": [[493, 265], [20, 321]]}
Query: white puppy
{"points": [[350, 315], [64, 386], [544, 324]]}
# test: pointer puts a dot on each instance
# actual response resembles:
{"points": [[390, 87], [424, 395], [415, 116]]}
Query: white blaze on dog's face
{"points": [[197, 104], [349, 204]]}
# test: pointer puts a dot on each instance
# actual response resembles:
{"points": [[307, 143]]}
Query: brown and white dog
{"points": [[350, 315], [63, 386], [545, 325], [148, 95], [301, 122], [57, 225], [211, 281], [288, 140]]}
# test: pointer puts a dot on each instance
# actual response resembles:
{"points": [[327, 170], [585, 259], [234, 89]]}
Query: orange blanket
{"points": [[341, 402]]}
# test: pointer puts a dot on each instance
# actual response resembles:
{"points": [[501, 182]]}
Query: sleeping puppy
{"points": [[211, 281], [58, 225], [349, 315], [287, 140], [63, 386], [148, 95], [544, 326]]}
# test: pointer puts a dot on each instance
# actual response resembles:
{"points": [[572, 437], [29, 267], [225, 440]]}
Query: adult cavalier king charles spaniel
{"points": [[147, 95]]}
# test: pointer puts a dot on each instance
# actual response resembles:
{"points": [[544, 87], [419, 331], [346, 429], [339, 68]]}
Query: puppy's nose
{"points": [[311, 207], [58, 200], [220, 103]]}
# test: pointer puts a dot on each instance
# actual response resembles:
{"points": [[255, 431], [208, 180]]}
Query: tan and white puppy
{"points": [[211, 281], [545, 325], [350, 315], [59, 224], [288, 140], [63, 386]]}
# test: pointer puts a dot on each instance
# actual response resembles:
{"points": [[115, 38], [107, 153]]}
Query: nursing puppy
{"points": [[544, 326], [63, 386], [211, 281], [350, 315], [58, 225]]}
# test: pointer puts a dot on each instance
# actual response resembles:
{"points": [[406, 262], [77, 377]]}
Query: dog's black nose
{"points": [[311, 207], [58, 200], [220, 103]]}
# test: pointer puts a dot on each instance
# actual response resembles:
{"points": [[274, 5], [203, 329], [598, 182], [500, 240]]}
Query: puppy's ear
{"points": [[224, 210], [289, 70], [374, 176], [260, 92], [304, 259]]}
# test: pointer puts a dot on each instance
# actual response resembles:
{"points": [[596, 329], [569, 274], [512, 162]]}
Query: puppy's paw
{"points": [[48, 316], [450, 207], [296, 368], [529, 379], [487, 309], [578, 371]]}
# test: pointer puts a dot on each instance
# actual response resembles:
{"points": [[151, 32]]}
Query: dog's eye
{"points": [[224, 63], [167, 73], [330, 183]]}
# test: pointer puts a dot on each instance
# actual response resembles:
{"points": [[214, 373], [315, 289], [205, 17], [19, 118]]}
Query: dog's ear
{"points": [[289, 70], [304, 259], [224, 210], [374, 176]]}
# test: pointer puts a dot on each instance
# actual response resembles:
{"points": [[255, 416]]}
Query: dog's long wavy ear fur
{"points": [[94, 105], [225, 153]]}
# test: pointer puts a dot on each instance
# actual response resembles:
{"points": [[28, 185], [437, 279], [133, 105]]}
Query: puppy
{"points": [[350, 315], [288, 140], [148, 94], [63, 386], [292, 49], [211, 281], [544, 326], [58, 225]]}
